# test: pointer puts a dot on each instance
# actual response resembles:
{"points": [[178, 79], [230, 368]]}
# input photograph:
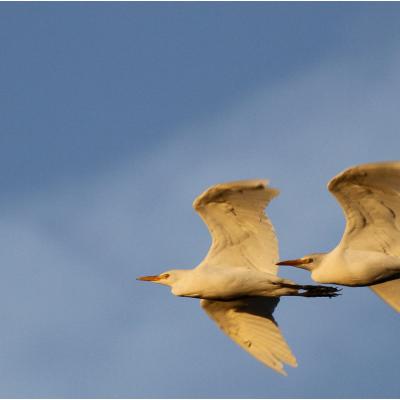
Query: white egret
{"points": [[369, 252], [237, 281]]}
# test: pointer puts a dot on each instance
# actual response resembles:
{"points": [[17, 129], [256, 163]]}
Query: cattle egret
{"points": [[237, 282], [369, 252]]}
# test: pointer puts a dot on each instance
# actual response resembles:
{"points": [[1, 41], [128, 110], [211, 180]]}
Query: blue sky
{"points": [[113, 118]]}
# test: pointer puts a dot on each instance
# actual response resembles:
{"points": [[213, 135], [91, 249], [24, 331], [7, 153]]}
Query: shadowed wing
{"points": [[250, 324], [370, 197], [389, 292], [242, 235]]}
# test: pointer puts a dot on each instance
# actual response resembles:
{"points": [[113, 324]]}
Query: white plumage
{"points": [[369, 252], [237, 281]]}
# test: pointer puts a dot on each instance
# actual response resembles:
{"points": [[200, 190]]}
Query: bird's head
{"points": [[167, 278], [309, 262]]}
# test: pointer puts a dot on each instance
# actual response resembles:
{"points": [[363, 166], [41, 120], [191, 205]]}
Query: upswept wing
{"points": [[242, 234], [370, 197], [250, 324]]}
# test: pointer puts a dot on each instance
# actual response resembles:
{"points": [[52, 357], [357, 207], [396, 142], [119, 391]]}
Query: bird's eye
{"points": [[164, 276]]}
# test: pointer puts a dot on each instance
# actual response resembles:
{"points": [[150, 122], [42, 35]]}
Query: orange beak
{"points": [[150, 278], [298, 261]]}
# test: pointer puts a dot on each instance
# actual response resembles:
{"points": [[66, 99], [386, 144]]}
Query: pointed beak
{"points": [[150, 278], [298, 261]]}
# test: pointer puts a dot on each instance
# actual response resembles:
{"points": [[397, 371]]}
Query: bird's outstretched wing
{"points": [[242, 234], [370, 197], [389, 292], [250, 324]]}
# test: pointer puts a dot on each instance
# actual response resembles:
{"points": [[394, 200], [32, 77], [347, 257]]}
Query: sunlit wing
{"points": [[370, 197], [242, 234], [250, 324], [389, 292]]}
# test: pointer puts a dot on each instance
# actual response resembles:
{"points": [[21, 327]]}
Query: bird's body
{"points": [[369, 252], [356, 268], [227, 283], [237, 281]]}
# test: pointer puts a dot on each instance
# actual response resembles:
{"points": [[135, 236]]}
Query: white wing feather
{"points": [[242, 235], [250, 324], [370, 197]]}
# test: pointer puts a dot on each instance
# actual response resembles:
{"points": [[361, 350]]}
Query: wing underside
{"points": [[242, 234], [250, 324], [370, 197], [389, 292]]}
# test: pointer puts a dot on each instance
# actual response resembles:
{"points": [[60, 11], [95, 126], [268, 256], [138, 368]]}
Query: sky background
{"points": [[113, 118]]}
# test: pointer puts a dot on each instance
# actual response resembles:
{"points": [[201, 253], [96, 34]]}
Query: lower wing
{"points": [[390, 292], [249, 323]]}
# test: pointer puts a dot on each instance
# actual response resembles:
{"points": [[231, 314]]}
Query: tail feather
{"points": [[389, 292]]}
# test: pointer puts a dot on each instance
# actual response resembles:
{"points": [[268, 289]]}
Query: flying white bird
{"points": [[369, 252], [237, 281]]}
